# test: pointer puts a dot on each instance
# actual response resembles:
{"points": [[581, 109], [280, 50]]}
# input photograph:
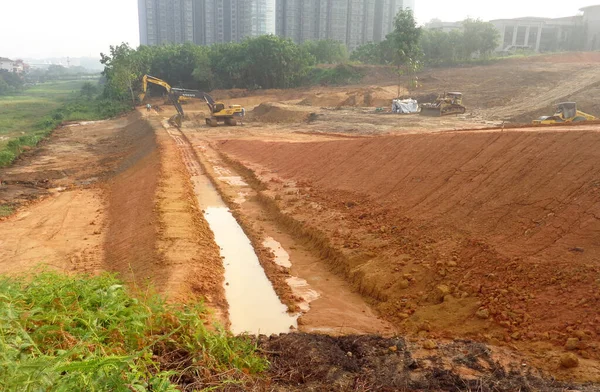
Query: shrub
{"points": [[71, 333]]}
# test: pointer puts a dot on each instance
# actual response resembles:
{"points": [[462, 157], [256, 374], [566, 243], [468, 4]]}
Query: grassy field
{"points": [[27, 118], [19, 113]]}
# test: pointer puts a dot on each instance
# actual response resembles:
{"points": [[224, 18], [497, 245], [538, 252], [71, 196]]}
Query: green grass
{"points": [[6, 210], [27, 118], [68, 333], [18, 113]]}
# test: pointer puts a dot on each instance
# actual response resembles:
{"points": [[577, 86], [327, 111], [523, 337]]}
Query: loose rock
{"points": [[572, 344], [429, 345], [569, 361], [483, 314]]}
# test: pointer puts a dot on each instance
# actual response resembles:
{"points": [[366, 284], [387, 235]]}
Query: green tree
{"points": [[5, 89], [402, 44], [122, 71], [11, 82], [442, 48], [274, 62], [479, 38], [229, 65], [327, 51], [369, 53], [88, 90], [55, 72]]}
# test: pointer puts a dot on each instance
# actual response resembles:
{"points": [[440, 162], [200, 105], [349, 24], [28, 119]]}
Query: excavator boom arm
{"points": [[151, 79], [182, 92]]}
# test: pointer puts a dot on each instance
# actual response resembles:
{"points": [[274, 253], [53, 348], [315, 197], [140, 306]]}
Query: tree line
{"points": [[273, 62], [10, 83], [264, 62], [431, 47]]}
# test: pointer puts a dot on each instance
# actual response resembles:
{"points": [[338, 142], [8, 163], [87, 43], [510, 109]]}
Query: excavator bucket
{"points": [[175, 120]]}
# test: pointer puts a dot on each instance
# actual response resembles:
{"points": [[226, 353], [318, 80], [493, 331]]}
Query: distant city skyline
{"points": [[79, 29]]}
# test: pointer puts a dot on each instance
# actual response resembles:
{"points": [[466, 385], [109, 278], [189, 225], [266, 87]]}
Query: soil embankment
{"points": [[57, 195], [451, 231], [131, 235], [156, 232]]}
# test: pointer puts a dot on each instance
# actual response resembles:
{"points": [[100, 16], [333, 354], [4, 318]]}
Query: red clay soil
{"points": [[131, 234], [508, 221], [156, 233]]}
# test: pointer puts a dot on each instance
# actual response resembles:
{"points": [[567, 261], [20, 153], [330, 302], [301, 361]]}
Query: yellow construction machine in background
{"points": [[218, 111], [444, 105], [566, 112]]}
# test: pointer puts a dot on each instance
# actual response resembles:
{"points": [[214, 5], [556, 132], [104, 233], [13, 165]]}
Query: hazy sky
{"points": [[48, 28]]}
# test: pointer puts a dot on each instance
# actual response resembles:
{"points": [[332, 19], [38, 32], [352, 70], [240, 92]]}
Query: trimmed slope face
{"points": [[527, 191], [507, 221]]}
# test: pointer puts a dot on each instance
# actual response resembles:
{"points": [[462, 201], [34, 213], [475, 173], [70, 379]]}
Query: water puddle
{"points": [[83, 123], [233, 180], [282, 258], [254, 307], [301, 289], [241, 198], [299, 286]]}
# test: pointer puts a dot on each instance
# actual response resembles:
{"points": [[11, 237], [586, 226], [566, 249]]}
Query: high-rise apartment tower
{"points": [[204, 22]]}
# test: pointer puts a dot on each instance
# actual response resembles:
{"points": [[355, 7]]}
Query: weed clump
{"points": [[89, 333]]}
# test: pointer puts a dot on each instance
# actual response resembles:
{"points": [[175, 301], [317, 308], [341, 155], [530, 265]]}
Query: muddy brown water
{"points": [[254, 307]]}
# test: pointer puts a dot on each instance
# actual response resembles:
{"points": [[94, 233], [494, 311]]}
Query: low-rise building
{"points": [[9, 65], [446, 27], [540, 34], [591, 21], [578, 32]]}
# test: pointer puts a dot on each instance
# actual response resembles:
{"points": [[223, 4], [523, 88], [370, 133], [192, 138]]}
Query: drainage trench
{"points": [[254, 307]]}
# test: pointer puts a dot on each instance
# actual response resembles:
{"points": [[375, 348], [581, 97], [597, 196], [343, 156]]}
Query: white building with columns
{"points": [[591, 19], [538, 34], [579, 32]]}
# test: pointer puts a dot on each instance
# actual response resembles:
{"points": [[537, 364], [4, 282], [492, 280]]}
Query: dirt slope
{"points": [[508, 221], [131, 234], [61, 232], [519, 90]]}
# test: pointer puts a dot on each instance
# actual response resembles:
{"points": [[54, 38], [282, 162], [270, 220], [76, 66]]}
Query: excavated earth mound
{"points": [[372, 96], [278, 113], [374, 363]]}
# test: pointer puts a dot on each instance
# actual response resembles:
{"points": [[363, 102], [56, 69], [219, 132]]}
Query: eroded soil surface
{"points": [[471, 237]]}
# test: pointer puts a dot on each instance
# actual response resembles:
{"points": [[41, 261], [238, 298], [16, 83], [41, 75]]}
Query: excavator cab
{"points": [[219, 107]]}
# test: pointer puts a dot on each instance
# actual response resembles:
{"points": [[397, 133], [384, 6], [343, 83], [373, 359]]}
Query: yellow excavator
{"points": [[566, 112], [219, 113], [444, 105]]}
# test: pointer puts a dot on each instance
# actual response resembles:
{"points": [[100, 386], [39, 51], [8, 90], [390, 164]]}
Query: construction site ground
{"points": [[475, 238]]}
